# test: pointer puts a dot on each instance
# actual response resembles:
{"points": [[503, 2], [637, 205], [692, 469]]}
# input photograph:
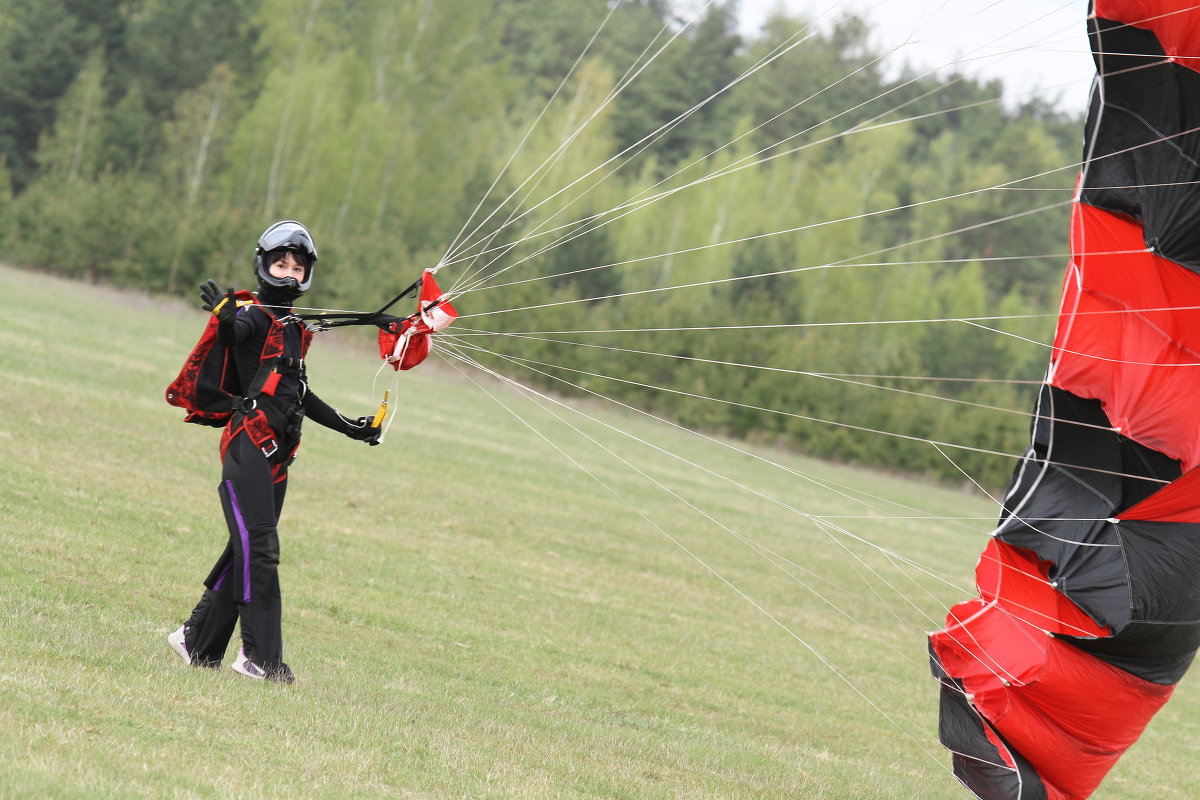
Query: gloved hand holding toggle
{"points": [[223, 306]]}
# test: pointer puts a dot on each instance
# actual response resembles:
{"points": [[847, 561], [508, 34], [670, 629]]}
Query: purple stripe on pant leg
{"points": [[245, 537], [224, 575]]}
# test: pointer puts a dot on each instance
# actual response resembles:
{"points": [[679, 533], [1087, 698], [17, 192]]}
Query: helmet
{"points": [[285, 235]]}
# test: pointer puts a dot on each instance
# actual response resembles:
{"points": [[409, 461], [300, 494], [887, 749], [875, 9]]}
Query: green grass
{"points": [[469, 613]]}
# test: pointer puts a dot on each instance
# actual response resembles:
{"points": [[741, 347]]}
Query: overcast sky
{"points": [[1033, 45]]}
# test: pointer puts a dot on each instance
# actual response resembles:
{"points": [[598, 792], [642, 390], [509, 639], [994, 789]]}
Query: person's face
{"points": [[288, 267]]}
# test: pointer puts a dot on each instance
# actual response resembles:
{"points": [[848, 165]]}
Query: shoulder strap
{"points": [[272, 357]]}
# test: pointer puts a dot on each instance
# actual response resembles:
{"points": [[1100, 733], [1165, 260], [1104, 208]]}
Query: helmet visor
{"points": [[288, 235]]}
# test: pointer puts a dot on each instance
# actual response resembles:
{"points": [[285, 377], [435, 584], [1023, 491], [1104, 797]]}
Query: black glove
{"points": [[224, 306], [362, 430]]}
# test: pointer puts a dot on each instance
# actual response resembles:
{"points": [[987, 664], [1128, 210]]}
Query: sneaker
{"points": [[179, 645], [244, 666]]}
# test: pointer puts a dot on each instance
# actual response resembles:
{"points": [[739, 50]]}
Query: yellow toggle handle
{"points": [[240, 304], [381, 414]]}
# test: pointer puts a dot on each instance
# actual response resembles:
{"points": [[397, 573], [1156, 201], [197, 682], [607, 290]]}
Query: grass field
{"points": [[472, 610]]}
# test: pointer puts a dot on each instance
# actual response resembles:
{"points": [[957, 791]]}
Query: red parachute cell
{"points": [[1130, 334]]}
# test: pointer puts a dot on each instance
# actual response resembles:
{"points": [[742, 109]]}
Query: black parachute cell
{"points": [[977, 759], [1133, 576], [1160, 640], [1077, 475], [1145, 162]]}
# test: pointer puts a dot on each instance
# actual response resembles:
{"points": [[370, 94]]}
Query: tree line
{"points": [[147, 142]]}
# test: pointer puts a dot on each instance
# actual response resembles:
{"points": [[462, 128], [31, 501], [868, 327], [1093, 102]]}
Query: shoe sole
{"points": [[241, 665], [242, 671], [176, 640]]}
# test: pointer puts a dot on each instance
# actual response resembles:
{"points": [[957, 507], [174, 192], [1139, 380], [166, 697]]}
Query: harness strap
{"points": [[258, 414]]}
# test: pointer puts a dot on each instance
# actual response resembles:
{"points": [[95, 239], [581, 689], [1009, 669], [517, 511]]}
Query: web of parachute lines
{"points": [[482, 255]]}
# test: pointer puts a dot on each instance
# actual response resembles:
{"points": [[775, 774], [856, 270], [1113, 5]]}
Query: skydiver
{"points": [[266, 348]]}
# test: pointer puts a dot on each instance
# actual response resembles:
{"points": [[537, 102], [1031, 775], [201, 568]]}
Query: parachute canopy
{"points": [[1089, 595]]}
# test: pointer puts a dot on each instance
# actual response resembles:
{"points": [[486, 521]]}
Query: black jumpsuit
{"points": [[243, 585]]}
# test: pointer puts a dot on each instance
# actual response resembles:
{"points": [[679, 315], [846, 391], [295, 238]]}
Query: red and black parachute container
{"points": [[1089, 594]]}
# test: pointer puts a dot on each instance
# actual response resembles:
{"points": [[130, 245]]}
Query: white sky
{"points": [[1033, 45]]}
